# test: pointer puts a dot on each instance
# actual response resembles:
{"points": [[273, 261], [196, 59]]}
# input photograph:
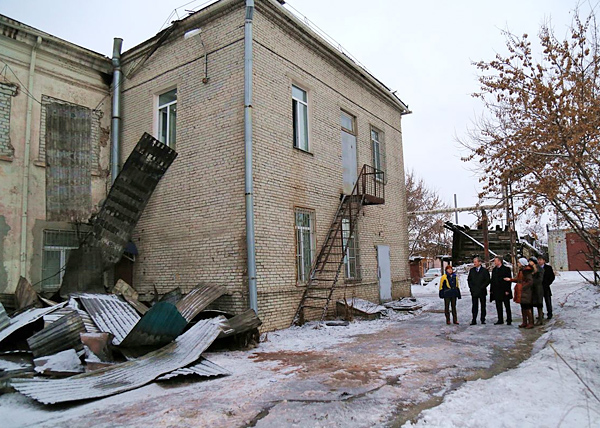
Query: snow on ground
{"points": [[550, 389]]}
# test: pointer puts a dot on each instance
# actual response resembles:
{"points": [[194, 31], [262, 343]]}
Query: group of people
{"points": [[531, 291]]}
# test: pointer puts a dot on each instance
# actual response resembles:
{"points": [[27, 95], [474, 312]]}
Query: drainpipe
{"points": [[27, 162], [115, 128], [250, 238]]}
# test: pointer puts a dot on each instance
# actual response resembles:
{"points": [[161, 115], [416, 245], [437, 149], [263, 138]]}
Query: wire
{"points": [[19, 80]]}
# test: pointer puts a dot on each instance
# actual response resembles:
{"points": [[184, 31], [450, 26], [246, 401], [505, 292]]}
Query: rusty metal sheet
{"points": [[159, 326], [204, 368], [198, 299], [130, 295], [4, 319], [83, 272], [25, 295], [110, 314], [26, 318], [61, 335], [68, 162], [129, 195], [125, 376], [242, 323]]}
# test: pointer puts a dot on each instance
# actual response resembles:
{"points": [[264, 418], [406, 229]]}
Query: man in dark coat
{"points": [[478, 280], [546, 282], [500, 290]]}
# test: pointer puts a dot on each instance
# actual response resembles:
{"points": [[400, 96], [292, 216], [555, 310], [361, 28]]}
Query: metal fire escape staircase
{"points": [[326, 269]]}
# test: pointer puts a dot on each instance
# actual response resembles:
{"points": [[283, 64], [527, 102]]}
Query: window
{"points": [[167, 118], [57, 247], [300, 111], [347, 123], [378, 152], [305, 243], [7, 91], [351, 262]]}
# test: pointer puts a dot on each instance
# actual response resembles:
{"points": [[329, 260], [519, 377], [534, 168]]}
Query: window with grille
{"points": [[167, 118], [300, 112], [305, 243], [57, 246], [351, 260]]}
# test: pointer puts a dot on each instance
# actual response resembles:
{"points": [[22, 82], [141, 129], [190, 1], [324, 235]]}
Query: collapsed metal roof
{"points": [[26, 318], [198, 299], [204, 368], [4, 319], [61, 335], [186, 349], [111, 314], [160, 325]]}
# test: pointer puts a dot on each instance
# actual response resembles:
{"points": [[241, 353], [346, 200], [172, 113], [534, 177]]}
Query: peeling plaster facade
{"points": [[64, 74]]}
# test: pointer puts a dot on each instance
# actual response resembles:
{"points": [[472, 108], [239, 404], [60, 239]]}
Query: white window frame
{"points": [[350, 243], [377, 150], [305, 146], [302, 267], [167, 106], [63, 249]]}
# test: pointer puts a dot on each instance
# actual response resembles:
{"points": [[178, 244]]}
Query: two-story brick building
{"points": [[241, 74]]}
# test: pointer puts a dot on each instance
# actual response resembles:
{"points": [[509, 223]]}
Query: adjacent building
{"points": [[54, 150]]}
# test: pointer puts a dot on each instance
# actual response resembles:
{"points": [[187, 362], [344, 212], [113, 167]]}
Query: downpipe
{"points": [[115, 128]]}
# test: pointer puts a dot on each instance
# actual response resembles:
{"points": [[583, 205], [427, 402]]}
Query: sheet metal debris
{"points": [[59, 336], [83, 272], [64, 363], [25, 318], [242, 323], [130, 295], [363, 307], [25, 295], [204, 368], [198, 299], [159, 326], [404, 304], [125, 376], [110, 314], [4, 319], [129, 195]]}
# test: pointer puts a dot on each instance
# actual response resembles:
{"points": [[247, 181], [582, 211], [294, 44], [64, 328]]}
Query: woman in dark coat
{"points": [[524, 292], [450, 291], [538, 289]]}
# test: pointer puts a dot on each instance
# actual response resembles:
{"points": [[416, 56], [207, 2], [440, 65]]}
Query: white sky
{"points": [[423, 49]]}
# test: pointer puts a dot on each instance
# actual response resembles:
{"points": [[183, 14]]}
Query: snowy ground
{"points": [[404, 370]]}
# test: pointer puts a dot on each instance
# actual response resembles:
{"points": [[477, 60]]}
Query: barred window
{"points": [[351, 259], [57, 247]]}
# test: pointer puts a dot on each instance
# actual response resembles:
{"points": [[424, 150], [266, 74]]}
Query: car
{"points": [[431, 274]]}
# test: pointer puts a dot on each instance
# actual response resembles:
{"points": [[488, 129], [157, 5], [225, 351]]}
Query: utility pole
{"points": [[486, 240], [455, 211], [510, 223]]}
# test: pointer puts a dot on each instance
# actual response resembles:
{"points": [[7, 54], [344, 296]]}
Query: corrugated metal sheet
{"points": [[25, 295], [110, 314], [204, 368], [26, 318], [61, 335], [159, 326], [68, 162], [198, 299], [4, 319], [125, 376], [129, 195], [84, 272], [130, 295], [172, 296], [90, 327], [243, 322]]}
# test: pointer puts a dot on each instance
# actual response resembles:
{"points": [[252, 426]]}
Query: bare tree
{"points": [[427, 235], [541, 131]]}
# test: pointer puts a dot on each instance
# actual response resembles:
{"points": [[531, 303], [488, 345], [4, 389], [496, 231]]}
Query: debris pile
{"points": [[94, 345]]}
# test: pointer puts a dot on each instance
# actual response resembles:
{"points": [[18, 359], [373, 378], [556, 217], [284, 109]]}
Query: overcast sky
{"points": [[423, 49]]}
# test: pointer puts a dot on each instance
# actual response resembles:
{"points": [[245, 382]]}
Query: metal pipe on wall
{"points": [[249, 188], [27, 162], [115, 129]]}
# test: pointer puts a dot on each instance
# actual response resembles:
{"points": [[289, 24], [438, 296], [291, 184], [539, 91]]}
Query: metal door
{"points": [[349, 161], [384, 273]]}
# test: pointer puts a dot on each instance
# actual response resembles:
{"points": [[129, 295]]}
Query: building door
{"points": [[349, 161], [384, 273]]}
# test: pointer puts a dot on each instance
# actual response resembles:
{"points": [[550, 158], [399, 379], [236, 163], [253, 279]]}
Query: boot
{"points": [[529, 319], [474, 322], [524, 323], [448, 319], [455, 321], [540, 321]]}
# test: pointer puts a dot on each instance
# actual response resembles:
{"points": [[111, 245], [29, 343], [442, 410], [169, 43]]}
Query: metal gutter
{"points": [[115, 130], [27, 161], [249, 186], [125, 376]]}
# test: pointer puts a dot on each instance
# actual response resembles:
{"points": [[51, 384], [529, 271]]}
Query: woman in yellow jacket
{"points": [[450, 291]]}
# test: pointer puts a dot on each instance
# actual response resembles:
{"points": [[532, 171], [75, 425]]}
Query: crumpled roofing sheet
{"points": [[4, 318], [62, 334], [26, 318], [157, 327], [204, 368], [198, 299], [125, 376], [110, 314]]}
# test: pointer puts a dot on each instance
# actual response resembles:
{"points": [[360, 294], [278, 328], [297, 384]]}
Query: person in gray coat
{"points": [[538, 289], [478, 280]]}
